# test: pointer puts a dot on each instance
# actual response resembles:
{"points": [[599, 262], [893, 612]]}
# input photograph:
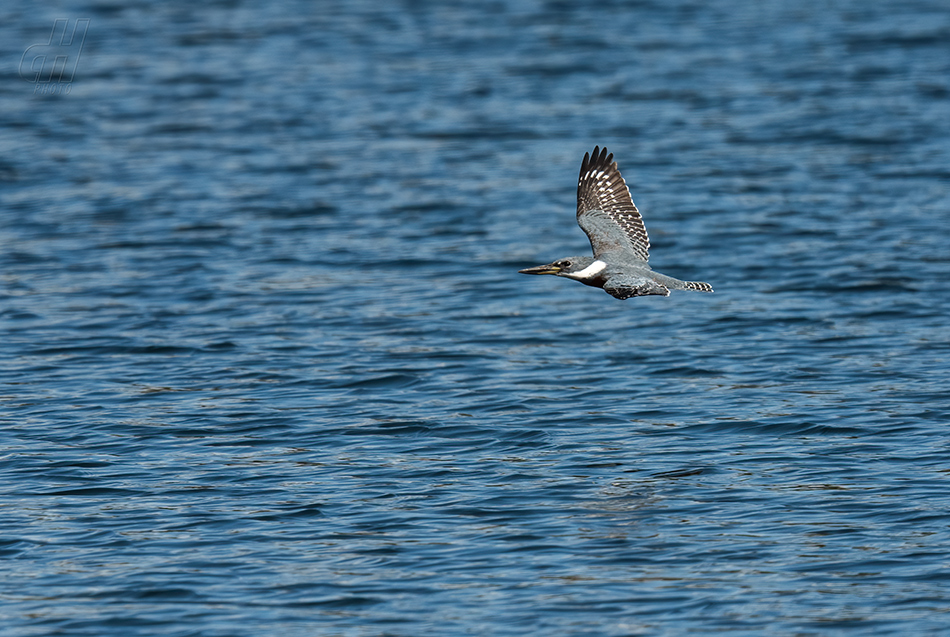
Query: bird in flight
{"points": [[617, 236]]}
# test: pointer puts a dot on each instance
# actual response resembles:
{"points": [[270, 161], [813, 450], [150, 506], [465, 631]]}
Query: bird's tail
{"points": [[698, 286]]}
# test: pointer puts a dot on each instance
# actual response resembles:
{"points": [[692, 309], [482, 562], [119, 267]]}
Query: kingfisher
{"points": [[618, 238]]}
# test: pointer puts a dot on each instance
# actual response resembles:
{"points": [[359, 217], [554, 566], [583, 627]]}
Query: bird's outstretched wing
{"points": [[605, 210], [625, 286]]}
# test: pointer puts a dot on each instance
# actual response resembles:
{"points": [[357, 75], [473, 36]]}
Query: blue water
{"points": [[267, 366]]}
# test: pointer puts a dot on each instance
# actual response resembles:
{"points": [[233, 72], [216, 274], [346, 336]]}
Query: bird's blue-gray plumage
{"points": [[618, 238]]}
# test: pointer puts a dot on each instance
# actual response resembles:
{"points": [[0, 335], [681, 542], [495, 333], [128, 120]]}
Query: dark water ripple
{"points": [[267, 366]]}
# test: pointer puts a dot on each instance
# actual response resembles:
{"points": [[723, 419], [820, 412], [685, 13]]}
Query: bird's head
{"points": [[579, 268]]}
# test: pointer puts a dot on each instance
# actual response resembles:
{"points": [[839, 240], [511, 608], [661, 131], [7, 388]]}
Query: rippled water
{"points": [[268, 367]]}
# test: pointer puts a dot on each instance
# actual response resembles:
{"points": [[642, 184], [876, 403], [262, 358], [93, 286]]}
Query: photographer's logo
{"points": [[51, 67]]}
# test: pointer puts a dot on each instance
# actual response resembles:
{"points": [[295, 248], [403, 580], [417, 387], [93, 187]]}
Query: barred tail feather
{"points": [[698, 286]]}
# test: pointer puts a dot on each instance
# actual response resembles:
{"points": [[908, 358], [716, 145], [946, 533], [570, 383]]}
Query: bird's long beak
{"points": [[550, 268]]}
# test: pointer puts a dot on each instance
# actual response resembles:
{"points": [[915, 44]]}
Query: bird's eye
{"points": [[565, 264]]}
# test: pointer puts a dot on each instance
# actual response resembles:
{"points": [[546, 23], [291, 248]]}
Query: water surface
{"points": [[267, 366]]}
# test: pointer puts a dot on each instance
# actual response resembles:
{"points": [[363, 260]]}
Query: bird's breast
{"points": [[596, 281]]}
